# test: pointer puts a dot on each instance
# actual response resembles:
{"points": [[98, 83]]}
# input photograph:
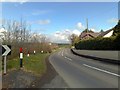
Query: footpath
{"points": [[101, 55]]}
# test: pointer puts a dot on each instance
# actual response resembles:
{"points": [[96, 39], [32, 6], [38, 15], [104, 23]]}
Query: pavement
{"points": [[79, 72], [0, 72], [17, 79], [57, 82], [0, 80], [22, 79], [105, 56], [50, 79]]}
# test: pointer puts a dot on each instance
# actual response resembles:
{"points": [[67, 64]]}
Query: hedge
{"points": [[112, 43]]}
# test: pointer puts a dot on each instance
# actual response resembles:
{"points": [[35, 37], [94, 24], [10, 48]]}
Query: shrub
{"points": [[99, 43]]}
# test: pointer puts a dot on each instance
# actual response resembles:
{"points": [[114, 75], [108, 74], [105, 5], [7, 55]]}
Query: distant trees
{"points": [[88, 31], [18, 34], [74, 39]]}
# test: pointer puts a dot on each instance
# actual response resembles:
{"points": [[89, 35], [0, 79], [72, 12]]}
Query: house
{"points": [[88, 35], [107, 33]]}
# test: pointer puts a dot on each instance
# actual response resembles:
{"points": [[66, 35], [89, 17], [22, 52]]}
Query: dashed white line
{"points": [[58, 53], [62, 53], [68, 58], [105, 71]]}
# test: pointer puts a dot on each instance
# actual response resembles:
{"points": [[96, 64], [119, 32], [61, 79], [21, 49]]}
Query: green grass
{"points": [[34, 64], [63, 45]]}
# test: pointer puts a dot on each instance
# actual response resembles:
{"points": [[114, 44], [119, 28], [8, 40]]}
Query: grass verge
{"points": [[34, 63]]}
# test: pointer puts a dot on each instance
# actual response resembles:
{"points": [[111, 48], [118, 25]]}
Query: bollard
{"points": [[42, 51], [34, 52], [21, 58], [28, 54]]}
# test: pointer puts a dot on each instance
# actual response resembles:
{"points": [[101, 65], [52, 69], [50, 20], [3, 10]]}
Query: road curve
{"points": [[79, 72]]}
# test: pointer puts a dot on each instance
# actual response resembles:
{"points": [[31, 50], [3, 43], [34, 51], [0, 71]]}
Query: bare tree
{"points": [[73, 38], [19, 35]]}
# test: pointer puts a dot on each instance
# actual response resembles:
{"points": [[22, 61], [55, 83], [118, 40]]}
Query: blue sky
{"points": [[50, 17]]}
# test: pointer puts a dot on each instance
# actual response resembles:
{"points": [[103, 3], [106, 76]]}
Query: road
{"points": [[79, 72]]}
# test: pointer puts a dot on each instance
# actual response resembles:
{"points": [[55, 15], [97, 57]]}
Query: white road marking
{"points": [[59, 53], [105, 71], [62, 53], [68, 58]]}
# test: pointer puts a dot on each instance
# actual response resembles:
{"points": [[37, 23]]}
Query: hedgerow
{"points": [[112, 43]]}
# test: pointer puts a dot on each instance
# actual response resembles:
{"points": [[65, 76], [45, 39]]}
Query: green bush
{"points": [[112, 43]]}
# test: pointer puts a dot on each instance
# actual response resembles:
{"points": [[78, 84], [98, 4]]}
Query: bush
{"points": [[28, 47], [99, 43]]}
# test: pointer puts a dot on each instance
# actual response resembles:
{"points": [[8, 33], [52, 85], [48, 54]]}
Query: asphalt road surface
{"points": [[79, 72]]}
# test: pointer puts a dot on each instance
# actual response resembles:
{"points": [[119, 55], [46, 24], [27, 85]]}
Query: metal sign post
{"points": [[4, 65]]}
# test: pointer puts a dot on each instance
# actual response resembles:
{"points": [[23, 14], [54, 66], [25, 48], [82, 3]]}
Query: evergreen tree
{"points": [[116, 29], [101, 30]]}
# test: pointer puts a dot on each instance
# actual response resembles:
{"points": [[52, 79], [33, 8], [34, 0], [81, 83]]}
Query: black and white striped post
{"points": [[21, 58]]}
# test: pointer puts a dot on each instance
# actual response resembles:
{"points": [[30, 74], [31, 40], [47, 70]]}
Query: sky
{"points": [[59, 19]]}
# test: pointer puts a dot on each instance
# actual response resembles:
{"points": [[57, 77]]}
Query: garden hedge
{"points": [[112, 43]]}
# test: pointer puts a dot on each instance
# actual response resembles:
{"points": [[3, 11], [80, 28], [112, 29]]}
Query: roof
{"points": [[104, 33], [90, 34]]}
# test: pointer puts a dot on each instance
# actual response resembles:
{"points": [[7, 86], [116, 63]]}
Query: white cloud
{"points": [[80, 26], [60, 36], [2, 30], [70, 0], [0, 21], [23, 1], [76, 32], [92, 29], [64, 0], [57, 33], [2, 33], [63, 36], [41, 12], [41, 22], [20, 1], [113, 20]]}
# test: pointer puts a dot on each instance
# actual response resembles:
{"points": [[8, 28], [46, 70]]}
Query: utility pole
{"points": [[87, 24], [87, 28], [24, 30]]}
